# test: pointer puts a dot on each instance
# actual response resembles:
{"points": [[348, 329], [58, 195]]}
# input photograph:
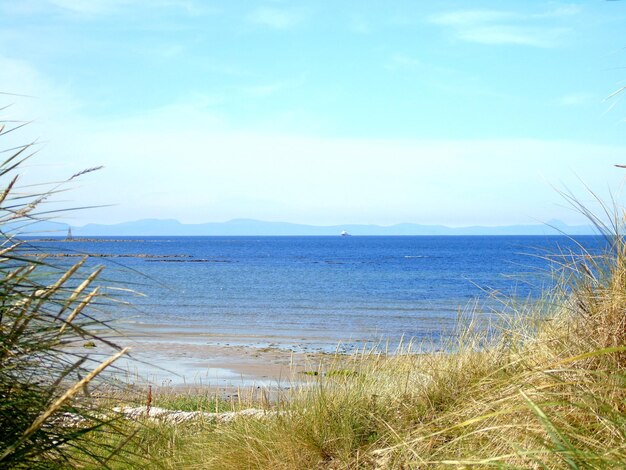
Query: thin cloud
{"points": [[360, 26], [401, 61], [470, 17], [499, 27], [88, 7], [260, 91], [107, 7], [190, 7], [173, 50], [275, 18], [512, 35], [577, 99], [561, 11]]}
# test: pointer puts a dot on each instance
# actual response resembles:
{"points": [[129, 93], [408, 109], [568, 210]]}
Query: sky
{"points": [[319, 112]]}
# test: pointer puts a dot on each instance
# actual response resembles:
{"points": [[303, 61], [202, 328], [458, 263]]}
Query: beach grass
{"points": [[49, 366]]}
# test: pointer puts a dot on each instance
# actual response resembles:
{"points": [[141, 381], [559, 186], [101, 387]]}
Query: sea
{"points": [[317, 293]]}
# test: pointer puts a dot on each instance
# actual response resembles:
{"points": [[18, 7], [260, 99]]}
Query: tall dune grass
{"points": [[46, 316]]}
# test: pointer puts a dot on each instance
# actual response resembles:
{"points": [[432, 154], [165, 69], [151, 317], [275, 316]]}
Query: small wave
{"points": [[416, 256], [188, 261]]}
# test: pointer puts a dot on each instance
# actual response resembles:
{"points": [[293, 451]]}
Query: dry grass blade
{"points": [[86, 301], [7, 190], [61, 400], [76, 292], [84, 172]]}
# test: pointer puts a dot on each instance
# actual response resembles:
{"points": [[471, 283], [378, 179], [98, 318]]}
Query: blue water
{"points": [[317, 290]]}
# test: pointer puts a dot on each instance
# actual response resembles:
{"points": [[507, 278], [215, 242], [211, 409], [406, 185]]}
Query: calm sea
{"points": [[315, 290]]}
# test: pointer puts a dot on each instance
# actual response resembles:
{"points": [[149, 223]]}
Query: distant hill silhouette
{"points": [[171, 227]]}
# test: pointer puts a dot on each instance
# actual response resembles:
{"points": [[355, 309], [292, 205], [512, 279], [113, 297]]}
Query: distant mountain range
{"points": [[242, 227]]}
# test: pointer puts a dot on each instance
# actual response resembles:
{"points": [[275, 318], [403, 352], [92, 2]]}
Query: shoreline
{"points": [[183, 358]]}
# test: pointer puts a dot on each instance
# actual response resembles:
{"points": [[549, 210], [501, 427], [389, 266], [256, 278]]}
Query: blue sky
{"points": [[322, 112]]}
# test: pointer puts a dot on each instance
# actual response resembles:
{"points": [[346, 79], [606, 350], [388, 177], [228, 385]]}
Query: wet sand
{"points": [[173, 358]]}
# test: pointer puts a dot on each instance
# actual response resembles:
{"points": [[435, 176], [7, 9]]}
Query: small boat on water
{"points": [[345, 234]]}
